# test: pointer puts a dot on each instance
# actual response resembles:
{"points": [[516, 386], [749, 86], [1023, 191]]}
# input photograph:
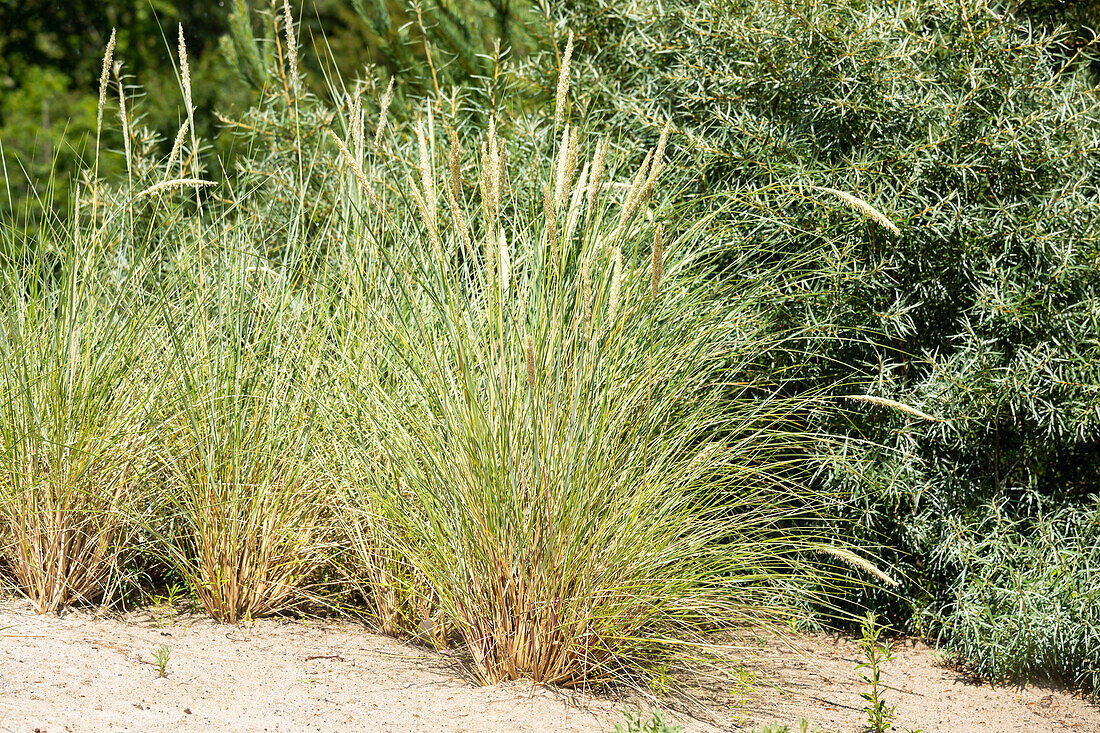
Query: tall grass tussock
{"points": [[475, 367]]}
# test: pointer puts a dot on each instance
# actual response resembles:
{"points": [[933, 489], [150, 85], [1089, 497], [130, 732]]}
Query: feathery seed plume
{"points": [[454, 193], [656, 267], [892, 404], [355, 112], [597, 175], [616, 283], [860, 563], [426, 172], [566, 173], [502, 169], [291, 45], [383, 110], [560, 164], [428, 219], [862, 207], [658, 165], [108, 55], [356, 169], [634, 194], [174, 183], [551, 224], [185, 69], [177, 146], [563, 82]]}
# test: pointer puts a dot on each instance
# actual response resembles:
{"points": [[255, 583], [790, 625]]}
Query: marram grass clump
{"points": [[566, 459], [508, 403]]}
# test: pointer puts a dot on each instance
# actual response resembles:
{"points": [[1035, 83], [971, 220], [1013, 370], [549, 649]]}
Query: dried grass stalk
{"points": [[657, 261], [383, 110], [108, 56], [172, 184], [893, 405], [562, 94], [858, 204]]}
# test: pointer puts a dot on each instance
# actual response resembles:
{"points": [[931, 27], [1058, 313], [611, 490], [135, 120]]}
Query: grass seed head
{"points": [[185, 71], [177, 146], [616, 283], [426, 176], [551, 223], [563, 82], [108, 56], [596, 179], [657, 263], [858, 204], [291, 46], [383, 110]]}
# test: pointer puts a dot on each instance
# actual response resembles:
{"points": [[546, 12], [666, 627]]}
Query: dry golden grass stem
{"points": [[62, 535], [858, 204]]}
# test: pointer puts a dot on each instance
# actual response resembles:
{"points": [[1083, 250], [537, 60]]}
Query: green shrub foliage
{"points": [[1027, 603], [975, 133]]}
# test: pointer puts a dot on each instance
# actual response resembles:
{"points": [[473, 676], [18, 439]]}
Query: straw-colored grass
{"points": [[73, 448], [244, 486]]}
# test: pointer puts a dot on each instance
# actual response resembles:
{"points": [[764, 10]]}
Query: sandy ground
{"points": [[81, 673]]}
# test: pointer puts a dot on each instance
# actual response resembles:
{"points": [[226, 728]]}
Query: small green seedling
{"points": [[745, 679], [803, 727], [876, 652], [160, 659], [656, 724]]}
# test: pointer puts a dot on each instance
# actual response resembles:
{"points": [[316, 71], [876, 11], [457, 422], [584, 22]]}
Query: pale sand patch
{"points": [[85, 674], [815, 677]]}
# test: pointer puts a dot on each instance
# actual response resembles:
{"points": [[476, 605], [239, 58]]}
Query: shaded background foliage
{"points": [[972, 126]]}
